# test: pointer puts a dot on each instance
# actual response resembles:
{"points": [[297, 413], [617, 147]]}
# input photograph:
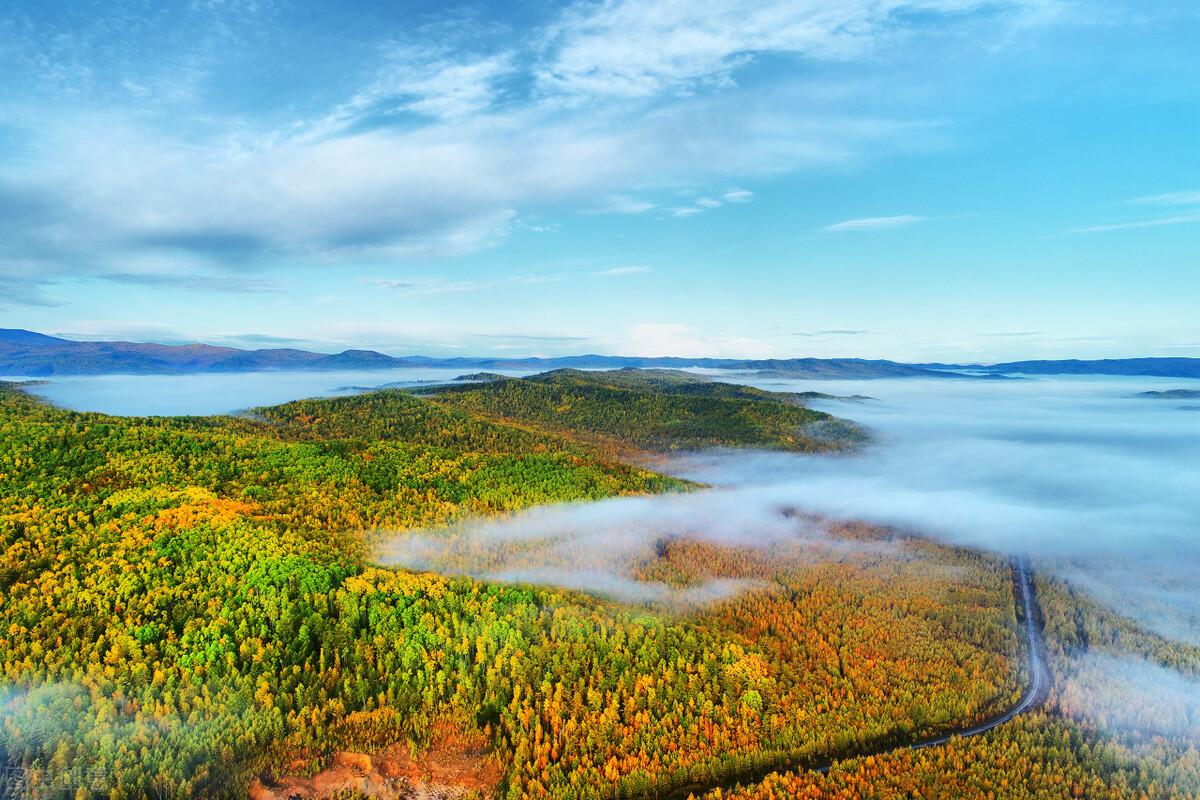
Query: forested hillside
{"points": [[655, 409], [1115, 727], [188, 603]]}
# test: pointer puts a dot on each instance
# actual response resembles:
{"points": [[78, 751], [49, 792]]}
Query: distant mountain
{"points": [[36, 355], [846, 368], [26, 353], [1148, 367], [479, 377], [1172, 394], [16, 336]]}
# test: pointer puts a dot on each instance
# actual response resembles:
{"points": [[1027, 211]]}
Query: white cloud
{"points": [[433, 153], [115, 191], [410, 287], [615, 271], [1169, 199], [1145, 223], [738, 196], [875, 223], [1179, 201], [420, 80], [641, 48], [832, 332], [623, 204]]}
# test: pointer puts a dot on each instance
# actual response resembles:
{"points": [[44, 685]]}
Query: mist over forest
{"points": [[600, 400], [1095, 482]]}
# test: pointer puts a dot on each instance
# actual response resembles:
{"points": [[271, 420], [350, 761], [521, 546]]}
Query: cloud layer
{"points": [[146, 144]]}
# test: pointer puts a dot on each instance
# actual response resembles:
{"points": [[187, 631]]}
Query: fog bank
{"points": [[1101, 486], [598, 546], [1130, 695]]}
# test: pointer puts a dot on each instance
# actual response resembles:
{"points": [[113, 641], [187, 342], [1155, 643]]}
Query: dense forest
{"points": [[188, 603], [1095, 737], [656, 409]]}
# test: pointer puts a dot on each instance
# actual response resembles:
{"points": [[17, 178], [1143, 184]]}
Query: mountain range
{"points": [[29, 354]]}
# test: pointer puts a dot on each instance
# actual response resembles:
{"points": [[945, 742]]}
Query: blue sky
{"points": [[912, 179]]}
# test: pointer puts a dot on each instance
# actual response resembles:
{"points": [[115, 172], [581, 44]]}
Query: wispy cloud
{"points": [[875, 223], [1189, 198], [642, 48], [430, 144], [1182, 219], [622, 204], [833, 332], [198, 283], [431, 82], [1013, 334], [703, 204], [529, 337], [253, 340], [615, 271], [410, 287], [1184, 209]]}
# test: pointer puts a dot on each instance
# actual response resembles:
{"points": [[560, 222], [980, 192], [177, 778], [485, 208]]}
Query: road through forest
{"points": [[1035, 693]]}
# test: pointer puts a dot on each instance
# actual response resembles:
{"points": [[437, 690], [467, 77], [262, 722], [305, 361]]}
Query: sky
{"points": [[924, 180]]}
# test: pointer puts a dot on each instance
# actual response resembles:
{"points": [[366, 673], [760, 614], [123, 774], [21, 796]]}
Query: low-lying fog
{"points": [[1079, 471], [1103, 486], [223, 393]]}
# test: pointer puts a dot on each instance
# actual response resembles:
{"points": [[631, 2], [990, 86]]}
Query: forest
{"points": [[189, 604], [653, 409]]}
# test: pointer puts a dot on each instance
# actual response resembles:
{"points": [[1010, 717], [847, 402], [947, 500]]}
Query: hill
{"points": [[1172, 394], [654, 410], [190, 603], [846, 369]]}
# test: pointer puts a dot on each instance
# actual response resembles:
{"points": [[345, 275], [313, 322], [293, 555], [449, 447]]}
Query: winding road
{"points": [[1035, 693]]}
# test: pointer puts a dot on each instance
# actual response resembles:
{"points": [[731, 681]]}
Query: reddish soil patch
{"points": [[454, 766]]}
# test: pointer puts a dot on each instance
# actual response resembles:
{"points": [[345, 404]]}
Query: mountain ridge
{"points": [[32, 354]]}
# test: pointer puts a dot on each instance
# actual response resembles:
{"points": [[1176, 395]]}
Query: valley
{"points": [[193, 604]]}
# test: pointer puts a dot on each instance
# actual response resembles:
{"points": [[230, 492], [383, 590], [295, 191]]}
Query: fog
{"points": [[1130, 695], [599, 546], [139, 395], [1100, 486]]}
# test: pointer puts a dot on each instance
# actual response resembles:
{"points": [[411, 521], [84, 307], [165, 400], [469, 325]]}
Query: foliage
{"points": [[1069, 750], [654, 410], [187, 601]]}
